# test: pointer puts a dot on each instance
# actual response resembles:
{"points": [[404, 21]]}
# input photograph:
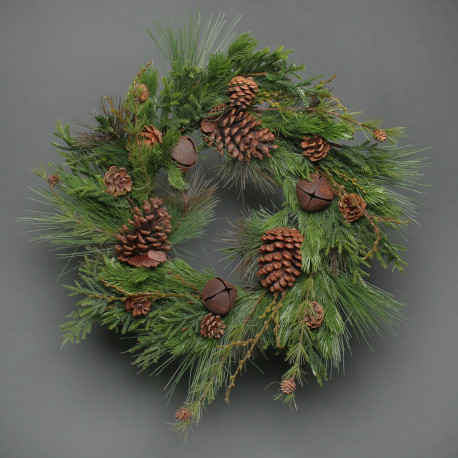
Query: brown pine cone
{"points": [[281, 258], [237, 132], [142, 92], [146, 244], [138, 305], [288, 385], [242, 91], [212, 326], [315, 148], [379, 135], [117, 181], [53, 180], [314, 319], [183, 414], [150, 135], [352, 207]]}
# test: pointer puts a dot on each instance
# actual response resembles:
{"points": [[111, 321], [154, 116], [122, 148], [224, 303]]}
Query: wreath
{"points": [[128, 194]]}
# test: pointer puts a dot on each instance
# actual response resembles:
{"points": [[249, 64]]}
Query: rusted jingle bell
{"points": [[316, 194], [218, 296], [185, 153]]}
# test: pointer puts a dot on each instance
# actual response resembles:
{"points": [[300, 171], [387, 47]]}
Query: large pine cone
{"points": [[314, 319], [242, 91], [239, 132], [117, 181], [281, 259], [315, 148], [212, 326], [146, 243], [288, 385], [352, 207]]}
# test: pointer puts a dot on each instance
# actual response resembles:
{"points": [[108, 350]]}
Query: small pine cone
{"points": [[53, 180], [212, 326], [117, 181], [142, 92], [146, 244], [379, 135], [183, 414], [314, 319], [315, 148], [280, 263], [238, 132], [352, 207], [150, 135], [288, 385], [138, 305], [242, 91]]}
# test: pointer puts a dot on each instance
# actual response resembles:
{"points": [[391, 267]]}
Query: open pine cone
{"points": [[288, 385], [242, 91], [352, 207], [138, 305], [212, 326], [183, 414], [117, 181], [281, 258], [150, 135], [53, 179], [314, 319], [238, 132], [143, 92], [315, 148], [146, 244], [379, 135]]}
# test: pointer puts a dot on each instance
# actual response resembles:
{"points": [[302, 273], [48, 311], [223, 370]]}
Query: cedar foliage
{"points": [[83, 219]]}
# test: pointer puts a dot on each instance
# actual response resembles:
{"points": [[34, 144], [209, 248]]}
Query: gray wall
{"points": [[394, 59]]}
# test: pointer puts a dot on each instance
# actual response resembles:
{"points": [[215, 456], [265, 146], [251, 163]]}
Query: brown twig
{"points": [[257, 74], [185, 203], [373, 219], [154, 295], [273, 310], [177, 277], [227, 354]]}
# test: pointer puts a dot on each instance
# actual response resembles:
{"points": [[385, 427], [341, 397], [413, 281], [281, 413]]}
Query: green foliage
{"points": [[82, 218]]}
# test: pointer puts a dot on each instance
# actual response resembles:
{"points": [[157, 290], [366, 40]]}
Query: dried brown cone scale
{"points": [[379, 135], [288, 385], [138, 305], [315, 147], [238, 133], [183, 414], [145, 244], [314, 318], [352, 207], [117, 181], [212, 326], [281, 259], [242, 90], [150, 136]]}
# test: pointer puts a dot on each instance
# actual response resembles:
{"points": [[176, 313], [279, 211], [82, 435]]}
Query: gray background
{"points": [[394, 59]]}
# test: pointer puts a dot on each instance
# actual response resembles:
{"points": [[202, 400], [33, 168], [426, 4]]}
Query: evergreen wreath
{"points": [[122, 202]]}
